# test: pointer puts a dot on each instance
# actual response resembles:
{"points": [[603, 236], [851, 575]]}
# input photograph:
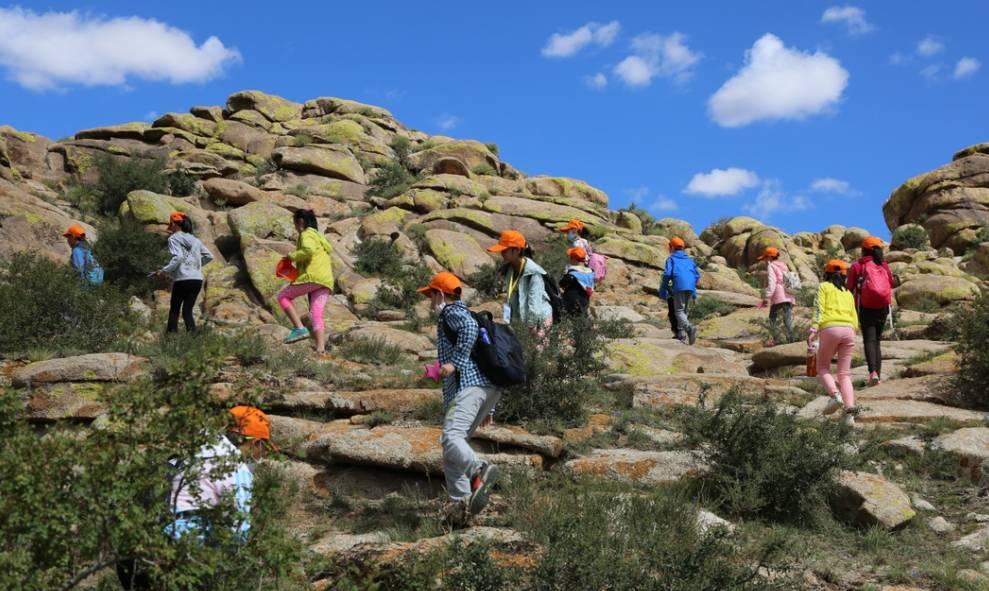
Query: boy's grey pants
{"points": [[681, 303], [464, 414]]}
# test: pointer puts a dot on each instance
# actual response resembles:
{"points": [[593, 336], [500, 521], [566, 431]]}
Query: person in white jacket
{"points": [[186, 269]]}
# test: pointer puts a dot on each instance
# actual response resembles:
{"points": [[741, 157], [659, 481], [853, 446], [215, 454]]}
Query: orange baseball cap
{"points": [[872, 242], [445, 282], [836, 266], [771, 251], [75, 231], [574, 224], [176, 217], [509, 239], [677, 242], [577, 253], [251, 422]]}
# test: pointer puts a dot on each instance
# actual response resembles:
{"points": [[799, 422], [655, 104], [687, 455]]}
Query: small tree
{"points": [[118, 177], [128, 253], [911, 236], [972, 333]]}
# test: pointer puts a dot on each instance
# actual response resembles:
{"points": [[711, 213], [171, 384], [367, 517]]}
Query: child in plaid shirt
{"points": [[468, 397]]}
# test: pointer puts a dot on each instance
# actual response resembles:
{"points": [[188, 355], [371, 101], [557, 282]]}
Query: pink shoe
{"points": [[874, 379]]}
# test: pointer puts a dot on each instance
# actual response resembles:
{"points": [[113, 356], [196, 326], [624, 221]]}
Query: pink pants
{"points": [[318, 295], [841, 340]]}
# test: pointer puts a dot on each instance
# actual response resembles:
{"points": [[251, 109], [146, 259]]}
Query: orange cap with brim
{"points": [[577, 253], [251, 422], [574, 224], [176, 217], [872, 242], [677, 242], [445, 282], [509, 239], [836, 266], [75, 231], [771, 251]]}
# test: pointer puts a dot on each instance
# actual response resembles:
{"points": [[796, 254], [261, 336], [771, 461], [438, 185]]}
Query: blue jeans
{"points": [[464, 414]]}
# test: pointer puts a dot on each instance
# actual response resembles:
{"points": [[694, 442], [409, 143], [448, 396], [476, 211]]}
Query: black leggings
{"points": [[873, 322], [184, 294], [672, 315]]}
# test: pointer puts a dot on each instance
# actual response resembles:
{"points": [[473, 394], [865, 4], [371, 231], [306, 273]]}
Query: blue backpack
{"points": [[94, 272]]}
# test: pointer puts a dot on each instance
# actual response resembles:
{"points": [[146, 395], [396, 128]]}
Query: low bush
{"points": [[393, 177], [911, 236], [484, 169], [373, 350], [563, 371], [706, 307], [492, 147], [648, 221], [983, 234], [972, 333], [552, 255], [45, 305], [402, 147], [487, 280], [182, 183], [398, 291], [119, 176], [128, 253], [378, 257], [764, 462]]}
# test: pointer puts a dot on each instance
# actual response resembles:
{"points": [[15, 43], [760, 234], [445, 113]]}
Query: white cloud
{"points": [[598, 81], [447, 121], [898, 59], [853, 18], [831, 185], [929, 45], [931, 72], [722, 182], [772, 199], [966, 67], [568, 44], [778, 83], [664, 203], [44, 51], [657, 55]]}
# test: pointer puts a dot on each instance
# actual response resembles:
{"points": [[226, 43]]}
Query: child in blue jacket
{"points": [[679, 287]]}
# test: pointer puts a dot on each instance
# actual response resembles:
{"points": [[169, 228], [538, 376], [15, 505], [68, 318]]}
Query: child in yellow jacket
{"points": [[834, 323], [315, 279]]}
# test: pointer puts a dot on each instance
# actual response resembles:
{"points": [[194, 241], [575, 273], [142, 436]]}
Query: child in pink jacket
{"points": [[775, 296]]}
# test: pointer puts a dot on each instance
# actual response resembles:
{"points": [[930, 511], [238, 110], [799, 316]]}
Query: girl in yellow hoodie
{"points": [[834, 323], [312, 258]]}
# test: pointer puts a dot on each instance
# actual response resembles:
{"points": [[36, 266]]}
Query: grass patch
{"points": [[373, 350], [706, 307]]}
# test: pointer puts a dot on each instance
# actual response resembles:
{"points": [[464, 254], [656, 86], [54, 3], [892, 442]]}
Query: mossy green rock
{"points": [[324, 160], [629, 221], [187, 122], [473, 218], [128, 131], [262, 220], [275, 108], [252, 118], [453, 184], [671, 227], [329, 105], [555, 186], [739, 225], [151, 208], [260, 261], [473, 154], [944, 290], [646, 357], [226, 151], [457, 252], [759, 241], [383, 223], [628, 250], [539, 210], [427, 200]]}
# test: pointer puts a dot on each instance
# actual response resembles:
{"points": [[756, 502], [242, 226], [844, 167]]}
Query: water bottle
{"points": [[484, 336]]}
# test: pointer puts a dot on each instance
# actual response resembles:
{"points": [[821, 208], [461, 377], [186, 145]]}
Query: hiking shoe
{"points": [[692, 335], [874, 379], [834, 404], [850, 416], [480, 487], [455, 513], [297, 334]]}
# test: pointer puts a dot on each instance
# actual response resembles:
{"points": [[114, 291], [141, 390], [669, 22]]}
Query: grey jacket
{"points": [[188, 257], [530, 303]]}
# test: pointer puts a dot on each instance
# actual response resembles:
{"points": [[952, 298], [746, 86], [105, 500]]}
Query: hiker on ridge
{"points": [[186, 269], [528, 301], [871, 282], [777, 297], [834, 324], [82, 255], [315, 279], [468, 398], [678, 287]]}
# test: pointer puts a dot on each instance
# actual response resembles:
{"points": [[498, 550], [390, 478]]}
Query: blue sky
{"points": [[802, 113]]}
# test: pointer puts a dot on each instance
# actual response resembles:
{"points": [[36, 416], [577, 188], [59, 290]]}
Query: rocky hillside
{"points": [[362, 433]]}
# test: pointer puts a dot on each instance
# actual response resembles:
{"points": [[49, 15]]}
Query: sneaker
{"points": [[297, 334], [692, 335], [834, 404], [874, 379], [455, 513], [850, 416], [480, 487]]}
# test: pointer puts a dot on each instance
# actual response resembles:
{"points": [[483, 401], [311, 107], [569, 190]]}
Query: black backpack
{"points": [[555, 299], [496, 351], [575, 298]]}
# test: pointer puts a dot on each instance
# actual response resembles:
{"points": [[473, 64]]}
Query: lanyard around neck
{"points": [[512, 285]]}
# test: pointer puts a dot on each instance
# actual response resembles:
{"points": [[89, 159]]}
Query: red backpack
{"points": [[874, 289]]}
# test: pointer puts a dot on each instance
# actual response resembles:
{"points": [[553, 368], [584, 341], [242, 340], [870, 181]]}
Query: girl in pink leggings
{"points": [[312, 258], [834, 323]]}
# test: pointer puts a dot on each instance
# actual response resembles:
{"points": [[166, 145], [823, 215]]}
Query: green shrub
{"points": [[118, 177], [72, 505], [806, 296], [83, 197], [402, 147], [484, 169], [487, 280], [706, 307], [649, 225], [911, 236], [128, 253], [299, 190], [398, 291], [182, 183], [983, 234], [492, 147], [417, 234], [765, 462], [45, 305], [373, 350], [552, 255], [563, 371], [265, 168], [301, 140], [972, 326], [926, 303], [378, 257], [392, 179]]}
